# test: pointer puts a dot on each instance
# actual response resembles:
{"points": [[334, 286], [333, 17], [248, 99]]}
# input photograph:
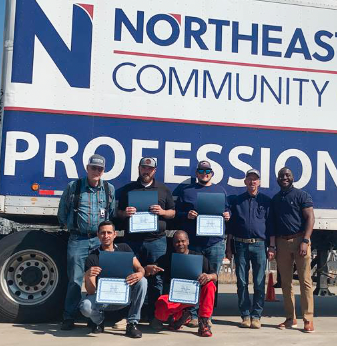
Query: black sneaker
{"points": [[97, 328], [67, 324], [132, 331], [184, 319]]}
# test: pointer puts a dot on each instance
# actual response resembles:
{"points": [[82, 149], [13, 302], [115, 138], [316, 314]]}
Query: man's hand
{"points": [[303, 249], [226, 215], [129, 211], [192, 214], [157, 209], [271, 253], [93, 271], [134, 278], [204, 278], [152, 269]]}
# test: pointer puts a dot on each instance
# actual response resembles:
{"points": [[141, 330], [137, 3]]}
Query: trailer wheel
{"points": [[32, 277]]}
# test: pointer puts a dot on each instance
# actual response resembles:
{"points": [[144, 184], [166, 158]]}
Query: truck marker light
{"points": [[35, 187]]}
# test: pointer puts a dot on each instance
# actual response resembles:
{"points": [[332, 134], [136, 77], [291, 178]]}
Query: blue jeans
{"points": [[89, 308], [244, 255], [215, 255], [79, 248], [148, 252]]}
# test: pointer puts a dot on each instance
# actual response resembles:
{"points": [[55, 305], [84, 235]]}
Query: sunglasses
{"points": [[96, 168], [202, 171]]}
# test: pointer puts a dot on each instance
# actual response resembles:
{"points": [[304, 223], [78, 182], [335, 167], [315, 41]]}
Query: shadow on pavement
{"points": [[228, 306]]}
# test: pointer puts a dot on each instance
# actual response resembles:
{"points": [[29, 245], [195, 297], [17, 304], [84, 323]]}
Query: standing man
{"points": [[249, 230], [89, 308], [213, 247], [294, 220], [148, 246], [84, 204]]}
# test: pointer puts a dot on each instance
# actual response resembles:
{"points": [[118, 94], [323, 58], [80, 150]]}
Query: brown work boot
{"points": [[246, 323], [193, 323], [255, 323], [289, 323], [309, 327]]}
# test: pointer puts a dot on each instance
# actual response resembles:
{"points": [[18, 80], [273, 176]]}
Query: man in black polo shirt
{"points": [[249, 230], [148, 246], [294, 220], [89, 308], [179, 313]]}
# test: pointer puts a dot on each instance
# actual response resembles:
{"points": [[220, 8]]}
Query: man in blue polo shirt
{"points": [[213, 247], [249, 231], [293, 217]]}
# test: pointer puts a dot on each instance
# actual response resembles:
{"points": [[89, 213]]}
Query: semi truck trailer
{"points": [[241, 83]]}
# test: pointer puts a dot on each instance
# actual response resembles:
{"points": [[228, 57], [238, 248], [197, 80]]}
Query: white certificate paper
{"points": [[184, 291], [143, 222], [112, 291], [210, 225]]}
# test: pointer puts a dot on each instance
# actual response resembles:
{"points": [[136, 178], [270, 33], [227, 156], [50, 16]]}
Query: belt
{"points": [[291, 236], [82, 234], [248, 240]]}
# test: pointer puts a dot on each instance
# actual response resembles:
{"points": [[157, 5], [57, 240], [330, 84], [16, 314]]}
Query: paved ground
{"points": [[225, 329]]}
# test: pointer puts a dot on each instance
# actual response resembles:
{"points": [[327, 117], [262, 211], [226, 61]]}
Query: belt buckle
{"points": [[252, 241]]}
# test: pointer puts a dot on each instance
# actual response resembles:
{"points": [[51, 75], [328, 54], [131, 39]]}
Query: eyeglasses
{"points": [[202, 171], [96, 168]]}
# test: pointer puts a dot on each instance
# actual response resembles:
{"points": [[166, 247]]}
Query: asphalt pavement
{"points": [[225, 328]]}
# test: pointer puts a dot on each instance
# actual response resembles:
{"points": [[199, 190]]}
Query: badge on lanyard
{"points": [[102, 212]]}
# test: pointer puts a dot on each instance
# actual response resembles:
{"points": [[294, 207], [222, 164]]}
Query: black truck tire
{"points": [[33, 277]]}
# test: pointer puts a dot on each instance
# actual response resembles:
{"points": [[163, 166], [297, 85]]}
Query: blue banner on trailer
{"points": [[50, 149]]}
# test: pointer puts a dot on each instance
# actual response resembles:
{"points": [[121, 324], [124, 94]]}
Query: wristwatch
{"points": [[306, 241]]}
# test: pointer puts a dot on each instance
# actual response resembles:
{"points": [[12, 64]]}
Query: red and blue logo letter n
{"points": [[74, 64]]}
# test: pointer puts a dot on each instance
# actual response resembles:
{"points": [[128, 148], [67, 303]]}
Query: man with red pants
{"points": [[178, 313]]}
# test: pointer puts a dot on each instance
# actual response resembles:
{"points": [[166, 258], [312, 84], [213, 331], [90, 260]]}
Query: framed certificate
{"points": [[211, 203], [184, 291], [210, 225], [142, 222], [116, 264], [187, 267], [113, 291]]}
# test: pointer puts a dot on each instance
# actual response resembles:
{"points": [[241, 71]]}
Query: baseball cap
{"points": [[204, 165], [253, 171], [96, 160], [148, 161]]}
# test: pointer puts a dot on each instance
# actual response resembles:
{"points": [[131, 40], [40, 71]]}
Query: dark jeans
{"points": [[79, 248], [256, 255], [148, 252]]}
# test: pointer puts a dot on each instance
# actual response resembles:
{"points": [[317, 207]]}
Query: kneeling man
{"points": [[95, 311], [179, 313]]}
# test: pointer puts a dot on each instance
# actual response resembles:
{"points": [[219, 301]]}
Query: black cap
{"points": [[204, 165]]}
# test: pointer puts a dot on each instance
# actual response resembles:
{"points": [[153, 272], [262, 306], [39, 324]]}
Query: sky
{"points": [[2, 18]]}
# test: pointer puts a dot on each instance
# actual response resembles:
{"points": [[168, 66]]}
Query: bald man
{"points": [[178, 313]]}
